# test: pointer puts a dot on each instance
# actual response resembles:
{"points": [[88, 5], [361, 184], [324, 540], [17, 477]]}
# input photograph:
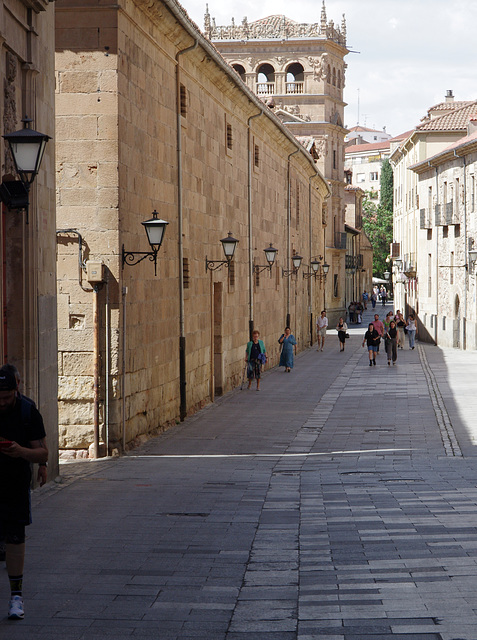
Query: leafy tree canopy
{"points": [[378, 221]]}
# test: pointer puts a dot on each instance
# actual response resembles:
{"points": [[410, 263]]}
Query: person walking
{"points": [[401, 325], [371, 338], [379, 326], [411, 330], [22, 442], [255, 357], [365, 298], [374, 297], [342, 328], [288, 342], [390, 342], [321, 328], [384, 295]]}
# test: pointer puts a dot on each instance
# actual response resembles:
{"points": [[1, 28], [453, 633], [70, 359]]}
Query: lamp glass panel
{"points": [[27, 155], [473, 255], [297, 261], [326, 268], [229, 244], [315, 265], [270, 255], [155, 231]]}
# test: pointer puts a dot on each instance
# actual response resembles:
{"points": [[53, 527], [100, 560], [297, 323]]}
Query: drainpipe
{"points": [[182, 337], [466, 248], [437, 257], [123, 369], [310, 280], [107, 368], [95, 373], [250, 234], [288, 235]]}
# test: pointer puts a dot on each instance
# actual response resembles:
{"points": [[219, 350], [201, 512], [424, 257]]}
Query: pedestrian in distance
{"points": [[401, 325], [365, 298], [371, 338], [321, 328], [379, 326], [359, 312], [342, 328], [255, 357], [22, 442], [411, 330], [390, 342], [384, 295], [374, 297], [351, 312], [288, 342]]}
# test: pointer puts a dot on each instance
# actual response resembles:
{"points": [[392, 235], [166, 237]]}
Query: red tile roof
{"points": [[456, 120], [372, 146]]}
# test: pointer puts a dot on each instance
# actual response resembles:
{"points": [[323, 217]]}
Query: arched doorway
{"points": [[240, 70], [456, 337]]}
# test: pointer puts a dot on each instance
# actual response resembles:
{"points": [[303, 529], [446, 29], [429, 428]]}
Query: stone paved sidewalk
{"points": [[339, 503]]}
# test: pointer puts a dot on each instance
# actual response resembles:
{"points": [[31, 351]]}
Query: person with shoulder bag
{"points": [[342, 329]]}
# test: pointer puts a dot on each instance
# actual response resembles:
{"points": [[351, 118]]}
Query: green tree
{"points": [[378, 221]]}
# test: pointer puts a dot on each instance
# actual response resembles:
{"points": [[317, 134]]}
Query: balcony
{"points": [[340, 239], [447, 213], [265, 88], [425, 219], [294, 87]]}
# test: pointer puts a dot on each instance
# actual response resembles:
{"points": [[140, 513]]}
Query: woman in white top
{"points": [[411, 330]]}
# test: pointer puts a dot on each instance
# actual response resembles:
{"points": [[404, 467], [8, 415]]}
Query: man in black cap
{"points": [[22, 441]]}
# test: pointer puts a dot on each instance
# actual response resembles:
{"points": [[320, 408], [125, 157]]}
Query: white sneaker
{"points": [[15, 608]]}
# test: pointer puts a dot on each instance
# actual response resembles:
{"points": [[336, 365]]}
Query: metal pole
{"points": [[96, 368]]}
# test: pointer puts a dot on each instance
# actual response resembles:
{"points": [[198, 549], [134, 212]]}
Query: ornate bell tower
{"points": [[298, 70]]}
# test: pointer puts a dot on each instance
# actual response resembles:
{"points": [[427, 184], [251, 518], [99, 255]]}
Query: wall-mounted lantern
{"points": [[27, 147], [270, 255], [155, 229], [296, 260], [229, 244], [315, 266]]}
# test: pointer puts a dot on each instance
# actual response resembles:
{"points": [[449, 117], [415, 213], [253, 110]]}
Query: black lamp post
{"points": [[315, 265], [27, 147], [270, 255], [155, 229], [229, 244], [296, 260]]}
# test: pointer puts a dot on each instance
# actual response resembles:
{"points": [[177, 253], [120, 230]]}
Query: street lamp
{"points": [[155, 229], [27, 147], [315, 265], [229, 244], [270, 255], [296, 260], [386, 275]]}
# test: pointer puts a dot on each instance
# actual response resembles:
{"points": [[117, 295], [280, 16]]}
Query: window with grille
{"points": [[229, 136], [183, 100], [185, 272], [256, 155]]}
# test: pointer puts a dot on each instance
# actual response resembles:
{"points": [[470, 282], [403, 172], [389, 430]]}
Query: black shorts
{"points": [[15, 506]]}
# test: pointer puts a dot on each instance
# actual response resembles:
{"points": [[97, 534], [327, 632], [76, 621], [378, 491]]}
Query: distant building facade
{"points": [[27, 245], [447, 189], [151, 117], [299, 72], [363, 135], [444, 124], [359, 251]]}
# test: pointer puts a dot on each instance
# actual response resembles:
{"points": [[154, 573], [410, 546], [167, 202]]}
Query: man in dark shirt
{"points": [[21, 442]]}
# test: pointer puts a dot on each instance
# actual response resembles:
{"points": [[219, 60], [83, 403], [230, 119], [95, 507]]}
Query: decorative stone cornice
{"points": [[276, 27]]}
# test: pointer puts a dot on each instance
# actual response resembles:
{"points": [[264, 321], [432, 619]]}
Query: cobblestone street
{"points": [[339, 503]]}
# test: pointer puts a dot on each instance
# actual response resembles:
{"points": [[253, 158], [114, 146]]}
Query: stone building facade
{"points": [[447, 184], [443, 124], [27, 244], [150, 117], [359, 251], [299, 71]]}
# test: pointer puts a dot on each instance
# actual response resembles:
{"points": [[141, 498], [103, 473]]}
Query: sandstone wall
{"points": [[144, 318]]}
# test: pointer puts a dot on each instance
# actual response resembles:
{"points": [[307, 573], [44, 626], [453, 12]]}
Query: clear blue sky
{"points": [[411, 51]]}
